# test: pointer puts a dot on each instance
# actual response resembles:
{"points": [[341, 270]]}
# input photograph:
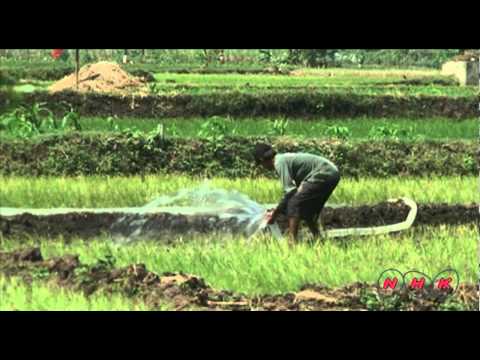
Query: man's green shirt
{"points": [[294, 168]]}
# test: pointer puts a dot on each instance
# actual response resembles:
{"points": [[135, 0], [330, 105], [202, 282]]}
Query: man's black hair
{"points": [[263, 152]]}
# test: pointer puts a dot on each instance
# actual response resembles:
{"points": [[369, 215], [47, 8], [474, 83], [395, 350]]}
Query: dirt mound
{"points": [[101, 77], [184, 291]]}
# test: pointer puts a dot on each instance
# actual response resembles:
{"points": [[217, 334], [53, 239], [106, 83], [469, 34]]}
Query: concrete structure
{"points": [[466, 72]]}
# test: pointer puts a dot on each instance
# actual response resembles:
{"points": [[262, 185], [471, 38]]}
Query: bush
{"points": [[131, 153], [25, 122]]}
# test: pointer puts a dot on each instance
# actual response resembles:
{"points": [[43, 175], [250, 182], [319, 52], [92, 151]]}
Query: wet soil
{"points": [[162, 226], [183, 291]]}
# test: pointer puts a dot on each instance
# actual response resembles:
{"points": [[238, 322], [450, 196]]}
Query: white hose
{"points": [[377, 230]]}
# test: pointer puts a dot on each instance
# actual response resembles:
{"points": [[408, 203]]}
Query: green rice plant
{"points": [[106, 191], [265, 266], [17, 295]]}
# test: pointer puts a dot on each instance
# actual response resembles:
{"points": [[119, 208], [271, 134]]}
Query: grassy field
{"points": [[96, 191], [303, 77], [443, 129], [268, 90], [17, 295], [334, 80], [265, 266], [358, 128]]}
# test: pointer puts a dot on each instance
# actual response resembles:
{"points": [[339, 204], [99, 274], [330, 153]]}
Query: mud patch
{"points": [[165, 226], [185, 291]]}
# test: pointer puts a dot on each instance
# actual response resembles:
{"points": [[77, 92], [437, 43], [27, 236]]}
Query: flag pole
{"points": [[77, 64]]}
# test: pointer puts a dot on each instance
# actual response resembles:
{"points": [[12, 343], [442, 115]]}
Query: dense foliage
{"points": [[136, 153]]}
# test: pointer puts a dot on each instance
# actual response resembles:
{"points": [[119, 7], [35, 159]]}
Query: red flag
{"points": [[56, 53]]}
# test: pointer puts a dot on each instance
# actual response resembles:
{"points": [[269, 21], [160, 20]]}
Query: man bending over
{"points": [[308, 181]]}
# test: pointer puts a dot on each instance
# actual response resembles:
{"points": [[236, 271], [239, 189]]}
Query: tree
{"points": [[209, 55], [311, 57]]}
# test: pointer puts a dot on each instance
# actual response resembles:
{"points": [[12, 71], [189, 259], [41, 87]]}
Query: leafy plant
{"points": [[469, 162], [71, 118], [26, 122], [382, 132], [153, 87], [173, 130], [152, 136], [214, 129], [279, 127], [339, 132], [112, 125], [265, 55]]}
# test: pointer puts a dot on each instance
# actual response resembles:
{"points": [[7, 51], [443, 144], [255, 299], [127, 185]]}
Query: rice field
{"points": [[97, 191], [356, 128], [38, 296], [261, 266], [352, 81], [171, 89], [268, 267]]}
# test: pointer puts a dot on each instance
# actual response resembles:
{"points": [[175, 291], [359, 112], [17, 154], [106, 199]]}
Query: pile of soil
{"points": [[183, 291], [102, 77]]}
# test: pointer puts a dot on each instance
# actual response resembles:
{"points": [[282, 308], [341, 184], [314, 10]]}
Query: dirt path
{"points": [[191, 292]]}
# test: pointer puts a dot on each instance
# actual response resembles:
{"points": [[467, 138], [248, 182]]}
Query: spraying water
{"points": [[204, 200]]}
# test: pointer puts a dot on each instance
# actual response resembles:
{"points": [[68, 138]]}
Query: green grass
{"points": [[31, 86], [408, 129], [264, 266], [326, 81], [360, 82], [38, 296], [300, 77], [267, 89], [96, 191], [360, 128]]}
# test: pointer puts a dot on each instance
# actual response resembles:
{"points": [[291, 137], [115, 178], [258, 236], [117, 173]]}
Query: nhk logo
{"points": [[393, 279]]}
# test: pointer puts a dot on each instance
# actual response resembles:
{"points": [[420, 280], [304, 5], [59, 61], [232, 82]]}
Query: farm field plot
{"points": [[265, 268], [174, 88], [332, 81], [37, 296], [354, 128]]}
